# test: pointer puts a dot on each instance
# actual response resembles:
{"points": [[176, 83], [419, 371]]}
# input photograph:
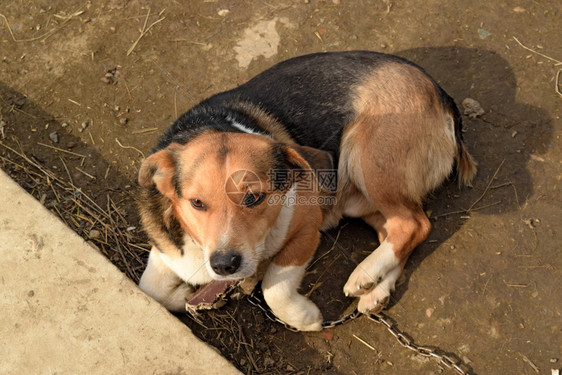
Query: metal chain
{"points": [[256, 299]]}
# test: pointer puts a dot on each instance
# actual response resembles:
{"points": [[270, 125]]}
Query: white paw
{"points": [[371, 271], [304, 315], [174, 298], [377, 299]]}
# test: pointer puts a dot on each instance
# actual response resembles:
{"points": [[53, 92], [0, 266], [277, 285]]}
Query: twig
{"points": [[530, 363], [67, 171], [142, 131], [487, 187], [85, 173], [558, 62], [365, 343], [60, 149], [557, 83], [47, 34], [144, 31], [130, 147]]}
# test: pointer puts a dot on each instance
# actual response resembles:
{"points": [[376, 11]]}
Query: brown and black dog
{"points": [[256, 172]]}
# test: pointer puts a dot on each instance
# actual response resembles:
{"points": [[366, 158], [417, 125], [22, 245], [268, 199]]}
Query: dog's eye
{"points": [[253, 199], [197, 204]]}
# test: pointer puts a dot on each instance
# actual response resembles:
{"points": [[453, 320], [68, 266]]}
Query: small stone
{"points": [[472, 108], [123, 120], [483, 33], [71, 144], [54, 137], [83, 126], [429, 312], [31, 293], [553, 360], [223, 12], [268, 362], [64, 124], [94, 234]]}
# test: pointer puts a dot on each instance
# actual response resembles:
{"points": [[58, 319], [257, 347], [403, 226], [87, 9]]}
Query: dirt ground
{"points": [[86, 88]]}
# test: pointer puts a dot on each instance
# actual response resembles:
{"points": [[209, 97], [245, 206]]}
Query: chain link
{"points": [[256, 299]]}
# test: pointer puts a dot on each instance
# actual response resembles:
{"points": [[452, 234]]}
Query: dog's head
{"points": [[226, 190]]}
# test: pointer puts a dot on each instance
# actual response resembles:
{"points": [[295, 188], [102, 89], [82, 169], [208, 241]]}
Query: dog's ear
{"points": [[158, 170], [316, 159], [311, 159]]}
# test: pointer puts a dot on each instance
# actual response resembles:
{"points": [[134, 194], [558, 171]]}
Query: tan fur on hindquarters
{"points": [[401, 146]]}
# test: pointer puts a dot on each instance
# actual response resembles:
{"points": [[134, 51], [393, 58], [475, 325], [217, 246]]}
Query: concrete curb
{"points": [[67, 310]]}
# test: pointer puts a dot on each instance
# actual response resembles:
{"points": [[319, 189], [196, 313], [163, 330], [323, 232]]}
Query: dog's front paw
{"points": [[305, 317], [298, 312]]}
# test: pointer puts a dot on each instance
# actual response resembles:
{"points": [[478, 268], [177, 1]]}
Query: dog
{"points": [[241, 178]]}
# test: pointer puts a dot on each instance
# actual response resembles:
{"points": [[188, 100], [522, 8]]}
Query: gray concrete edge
{"points": [[68, 310]]}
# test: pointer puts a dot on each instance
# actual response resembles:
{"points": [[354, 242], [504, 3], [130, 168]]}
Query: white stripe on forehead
{"points": [[244, 128]]}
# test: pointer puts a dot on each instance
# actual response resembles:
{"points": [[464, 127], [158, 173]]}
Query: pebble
{"points": [[83, 126], [483, 33], [268, 362], [429, 312], [64, 124], [71, 144], [94, 233], [472, 108], [123, 120], [54, 137]]}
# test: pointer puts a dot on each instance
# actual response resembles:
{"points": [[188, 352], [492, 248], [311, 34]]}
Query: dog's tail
{"points": [[466, 166]]}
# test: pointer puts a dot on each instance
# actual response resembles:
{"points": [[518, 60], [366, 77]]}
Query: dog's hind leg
{"points": [[375, 278]]}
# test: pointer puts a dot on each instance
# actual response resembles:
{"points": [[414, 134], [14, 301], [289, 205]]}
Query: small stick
{"points": [[176, 102], [558, 62], [66, 169], [85, 173], [557, 83], [60, 149], [144, 31], [530, 363], [75, 102], [25, 113], [131, 147], [487, 187], [365, 343], [142, 131], [45, 35]]}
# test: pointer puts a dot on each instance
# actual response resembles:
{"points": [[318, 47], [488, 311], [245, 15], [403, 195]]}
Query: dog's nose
{"points": [[225, 263]]}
